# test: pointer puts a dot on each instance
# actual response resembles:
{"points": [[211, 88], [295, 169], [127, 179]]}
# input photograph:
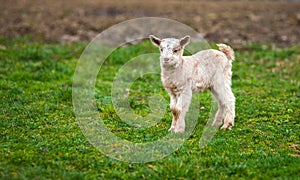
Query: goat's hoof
{"points": [[172, 128], [226, 126]]}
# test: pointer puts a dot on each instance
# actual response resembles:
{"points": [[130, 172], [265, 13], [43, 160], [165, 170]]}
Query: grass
{"points": [[40, 138]]}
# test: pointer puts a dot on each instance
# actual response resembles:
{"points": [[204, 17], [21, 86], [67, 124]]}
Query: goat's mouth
{"points": [[169, 64]]}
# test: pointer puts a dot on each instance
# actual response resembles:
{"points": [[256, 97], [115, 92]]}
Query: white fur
{"points": [[183, 75]]}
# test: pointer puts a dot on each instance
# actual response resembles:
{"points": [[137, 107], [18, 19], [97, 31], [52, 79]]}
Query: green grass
{"points": [[40, 138]]}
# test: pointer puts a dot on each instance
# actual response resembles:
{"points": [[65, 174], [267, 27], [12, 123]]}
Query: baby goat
{"points": [[183, 75]]}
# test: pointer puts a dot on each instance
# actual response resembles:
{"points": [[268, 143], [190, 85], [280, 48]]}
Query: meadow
{"points": [[41, 139]]}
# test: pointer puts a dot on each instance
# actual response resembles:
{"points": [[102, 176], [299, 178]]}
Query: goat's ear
{"points": [[155, 40], [184, 41]]}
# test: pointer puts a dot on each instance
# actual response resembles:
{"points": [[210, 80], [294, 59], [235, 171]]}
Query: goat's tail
{"points": [[227, 50]]}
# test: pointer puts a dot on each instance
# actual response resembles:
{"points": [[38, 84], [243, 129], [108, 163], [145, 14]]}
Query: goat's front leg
{"points": [[173, 101], [182, 106]]}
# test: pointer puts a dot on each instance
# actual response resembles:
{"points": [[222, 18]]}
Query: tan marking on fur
{"points": [[174, 90], [196, 64], [227, 50], [172, 87], [175, 113]]}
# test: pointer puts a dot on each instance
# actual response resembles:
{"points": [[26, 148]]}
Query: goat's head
{"points": [[171, 50]]}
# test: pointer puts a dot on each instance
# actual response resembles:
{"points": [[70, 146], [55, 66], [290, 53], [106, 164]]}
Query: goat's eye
{"points": [[161, 49], [176, 50]]}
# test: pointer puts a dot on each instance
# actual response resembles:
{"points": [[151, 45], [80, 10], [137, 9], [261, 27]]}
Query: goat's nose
{"points": [[166, 59]]}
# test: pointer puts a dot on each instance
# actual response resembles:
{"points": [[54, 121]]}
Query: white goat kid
{"points": [[183, 75]]}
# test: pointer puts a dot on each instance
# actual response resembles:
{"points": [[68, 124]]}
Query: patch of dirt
{"points": [[233, 22], [297, 150]]}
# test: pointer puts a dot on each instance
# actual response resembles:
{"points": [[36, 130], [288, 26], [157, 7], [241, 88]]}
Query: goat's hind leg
{"points": [[226, 101], [230, 112]]}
